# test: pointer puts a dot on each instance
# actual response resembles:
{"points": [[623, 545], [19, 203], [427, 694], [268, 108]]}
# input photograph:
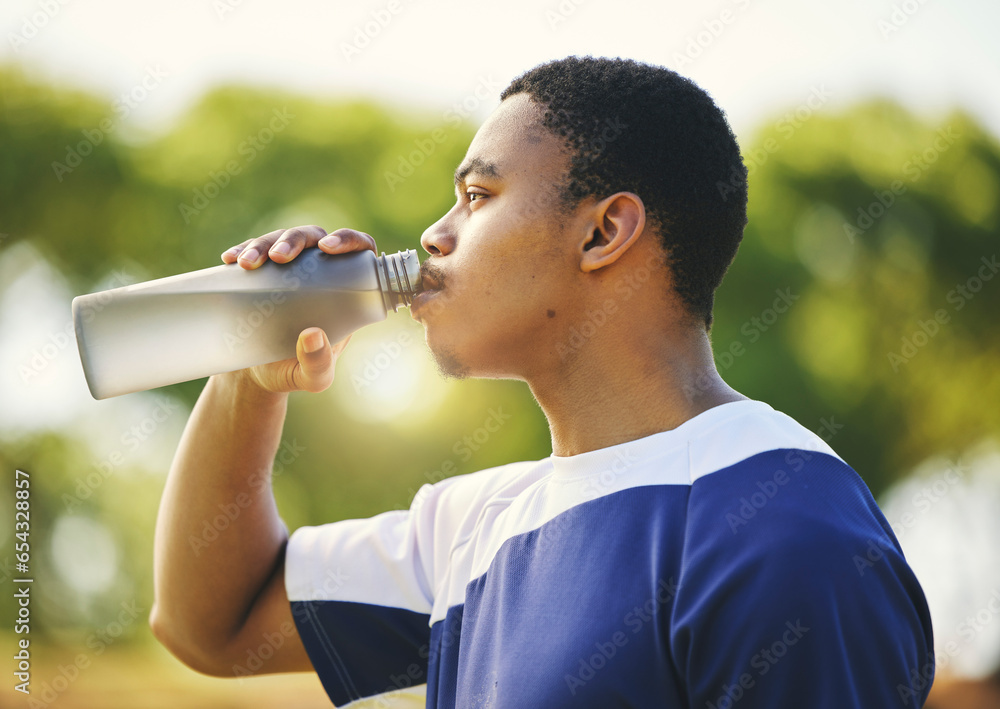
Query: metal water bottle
{"points": [[226, 318]]}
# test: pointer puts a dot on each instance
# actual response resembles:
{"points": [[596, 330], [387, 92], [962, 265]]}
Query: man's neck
{"points": [[617, 391]]}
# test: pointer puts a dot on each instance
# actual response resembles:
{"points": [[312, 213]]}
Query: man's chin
{"points": [[449, 365]]}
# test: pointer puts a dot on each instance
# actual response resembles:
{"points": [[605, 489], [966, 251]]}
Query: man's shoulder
{"points": [[472, 490], [739, 433], [763, 485], [773, 497]]}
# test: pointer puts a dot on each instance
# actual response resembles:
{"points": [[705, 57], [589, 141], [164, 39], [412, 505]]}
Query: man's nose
{"points": [[438, 239]]}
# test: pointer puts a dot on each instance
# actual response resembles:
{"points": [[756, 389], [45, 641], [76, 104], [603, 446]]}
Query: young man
{"points": [[683, 546]]}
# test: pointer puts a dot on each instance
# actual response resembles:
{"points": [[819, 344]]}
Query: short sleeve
{"points": [[794, 592], [362, 590], [361, 593]]}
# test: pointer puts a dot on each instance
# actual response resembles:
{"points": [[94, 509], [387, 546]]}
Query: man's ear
{"points": [[618, 222]]}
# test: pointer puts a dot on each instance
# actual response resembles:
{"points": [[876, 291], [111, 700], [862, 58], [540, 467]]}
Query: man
{"points": [[682, 547]]}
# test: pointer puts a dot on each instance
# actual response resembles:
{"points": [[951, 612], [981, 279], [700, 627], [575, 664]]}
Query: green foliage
{"points": [[876, 221]]}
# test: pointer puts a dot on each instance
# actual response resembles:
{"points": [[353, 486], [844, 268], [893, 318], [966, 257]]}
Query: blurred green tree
{"points": [[883, 229]]}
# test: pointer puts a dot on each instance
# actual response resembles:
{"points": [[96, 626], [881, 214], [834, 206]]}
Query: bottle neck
{"points": [[398, 277]]}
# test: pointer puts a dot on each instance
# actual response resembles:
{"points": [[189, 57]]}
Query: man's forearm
{"points": [[208, 573]]}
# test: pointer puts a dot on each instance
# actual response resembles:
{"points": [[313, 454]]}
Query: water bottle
{"points": [[226, 318]]}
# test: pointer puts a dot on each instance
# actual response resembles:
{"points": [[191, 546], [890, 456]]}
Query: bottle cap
{"points": [[398, 277]]}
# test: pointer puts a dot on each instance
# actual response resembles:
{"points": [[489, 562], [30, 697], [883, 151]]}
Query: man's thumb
{"points": [[315, 356]]}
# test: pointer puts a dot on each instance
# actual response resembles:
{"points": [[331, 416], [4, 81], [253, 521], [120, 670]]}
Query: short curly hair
{"points": [[640, 128]]}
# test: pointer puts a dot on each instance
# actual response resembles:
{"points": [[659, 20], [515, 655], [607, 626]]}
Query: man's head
{"points": [[648, 130], [591, 173]]}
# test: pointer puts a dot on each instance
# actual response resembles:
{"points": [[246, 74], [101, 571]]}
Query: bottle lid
{"points": [[399, 278]]}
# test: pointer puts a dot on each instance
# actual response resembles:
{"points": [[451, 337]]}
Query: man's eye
{"points": [[473, 195]]}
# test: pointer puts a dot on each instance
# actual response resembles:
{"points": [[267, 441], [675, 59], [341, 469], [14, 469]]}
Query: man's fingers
{"points": [[252, 252], [315, 357], [344, 240], [281, 245], [292, 241], [230, 255]]}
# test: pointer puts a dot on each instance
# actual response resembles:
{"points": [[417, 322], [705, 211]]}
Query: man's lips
{"points": [[431, 277], [432, 282], [420, 301]]}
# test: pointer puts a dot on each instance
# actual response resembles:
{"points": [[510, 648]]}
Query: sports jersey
{"points": [[734, 561]]}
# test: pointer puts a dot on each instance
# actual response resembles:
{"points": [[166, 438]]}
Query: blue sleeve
{"points": [[794, 593]]}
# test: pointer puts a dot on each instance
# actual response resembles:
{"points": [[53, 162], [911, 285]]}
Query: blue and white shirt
{"points": [[735, 561]]}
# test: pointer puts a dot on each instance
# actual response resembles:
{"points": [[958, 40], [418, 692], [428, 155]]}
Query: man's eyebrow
{"points": [[477, 165]]}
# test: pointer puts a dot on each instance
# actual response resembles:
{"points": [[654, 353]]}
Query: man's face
{"points": [[503, 263]]}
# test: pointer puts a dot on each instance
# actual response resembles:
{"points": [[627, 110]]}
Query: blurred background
{"points": [[139, 140]]}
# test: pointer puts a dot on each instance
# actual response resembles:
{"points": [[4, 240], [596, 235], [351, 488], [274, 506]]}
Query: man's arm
{"points": [[216, 596]]}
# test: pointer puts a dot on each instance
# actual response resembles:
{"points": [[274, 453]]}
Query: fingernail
{"points": [[250, 256], [313, 342], [282, 248], [330, 241]]}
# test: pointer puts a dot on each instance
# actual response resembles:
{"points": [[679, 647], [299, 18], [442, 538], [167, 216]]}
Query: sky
{"points": [[758, 58]]}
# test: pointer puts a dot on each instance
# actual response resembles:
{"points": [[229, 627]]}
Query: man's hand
{"points": [[312, 367]]}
